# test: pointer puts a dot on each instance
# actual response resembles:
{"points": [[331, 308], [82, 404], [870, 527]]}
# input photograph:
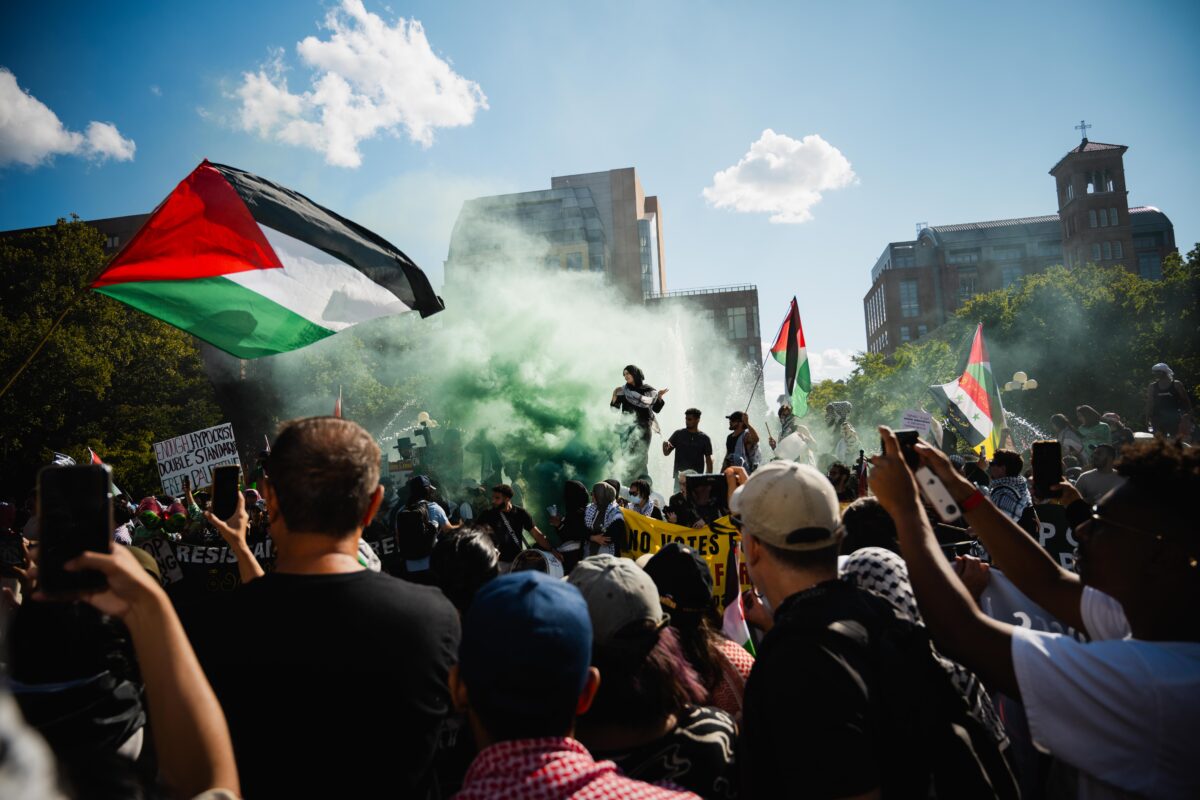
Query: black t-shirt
{"points": [[699, 754], [809, 728], [690, 450], [507, 537], [333, 685]]}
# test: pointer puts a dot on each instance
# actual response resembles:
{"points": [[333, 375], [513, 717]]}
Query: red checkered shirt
{"points": [[552, 769]]}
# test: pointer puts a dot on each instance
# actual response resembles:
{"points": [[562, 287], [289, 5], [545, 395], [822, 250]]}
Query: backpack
{"points": [[415, 533], [923, 718]]}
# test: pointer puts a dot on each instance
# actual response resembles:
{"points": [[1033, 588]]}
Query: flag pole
{"points": [[38, 348], [762, 367]]}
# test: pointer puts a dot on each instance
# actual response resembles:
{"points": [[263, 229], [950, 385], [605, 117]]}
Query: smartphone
{"points": [[1047, 469], [908, 438], [75, 514], [225, 491]]}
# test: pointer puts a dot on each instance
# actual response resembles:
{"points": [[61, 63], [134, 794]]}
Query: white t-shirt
{"points": [[1094, 484], [1125, 712]]}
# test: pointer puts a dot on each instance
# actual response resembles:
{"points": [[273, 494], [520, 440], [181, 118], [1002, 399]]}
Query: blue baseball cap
{"points": [[525, 629]]}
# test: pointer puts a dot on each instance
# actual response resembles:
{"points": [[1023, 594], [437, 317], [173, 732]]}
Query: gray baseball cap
{"points": [[618, 593]]}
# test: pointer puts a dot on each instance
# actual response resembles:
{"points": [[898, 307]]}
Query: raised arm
{"points": [[1025, 562], [961, 630], [233, 531], [191, 738]]}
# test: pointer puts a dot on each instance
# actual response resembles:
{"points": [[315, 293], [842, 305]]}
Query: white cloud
{"points": [[830, 363], [156, 90], [30, 133], [368, 78], [781, 176]]}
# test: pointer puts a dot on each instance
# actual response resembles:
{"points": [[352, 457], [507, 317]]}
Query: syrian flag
{"points": [[255, 269], [790, 351], [337, 406], [972, 403], [112, 487]]}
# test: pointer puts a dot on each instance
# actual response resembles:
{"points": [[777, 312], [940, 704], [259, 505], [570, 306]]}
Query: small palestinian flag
{"points": [[112, 487], [790, 351], [256, 269], [733, 621], [972, 403]]}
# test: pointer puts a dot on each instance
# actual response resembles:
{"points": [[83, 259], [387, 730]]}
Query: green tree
{"points": [[109, 377]]}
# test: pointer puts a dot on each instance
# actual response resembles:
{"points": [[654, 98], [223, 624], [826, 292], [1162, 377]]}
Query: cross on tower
{"points": [[1083, 127]]}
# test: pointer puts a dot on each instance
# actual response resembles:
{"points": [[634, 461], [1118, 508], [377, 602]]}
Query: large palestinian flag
{"points": [[790, 351], [255, 269], [972, 403]]}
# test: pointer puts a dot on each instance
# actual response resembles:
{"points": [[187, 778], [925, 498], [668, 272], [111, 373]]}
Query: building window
{"points": [[966, 285], [1150, 266], [1145, 243], [1010, 275], [910, 302], [1096, 252], [1092, 218], [905, 336], [575, 262], [736, 322], [963, 257], [922, 330], [597, 262], [1104, 218], [1108, 251], [1112, 217], [1051, 249], [1070, 192], [1008, 253], [1118, 250]]}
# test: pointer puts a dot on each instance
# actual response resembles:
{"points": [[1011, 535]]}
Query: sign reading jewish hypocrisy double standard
{"points": [[713, 544], [195, 455]]}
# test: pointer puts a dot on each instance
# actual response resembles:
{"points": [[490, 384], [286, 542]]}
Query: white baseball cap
{"points": [[788, 505]]}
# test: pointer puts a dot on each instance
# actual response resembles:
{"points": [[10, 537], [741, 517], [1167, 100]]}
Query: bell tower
{"points": [[1093, 204]]}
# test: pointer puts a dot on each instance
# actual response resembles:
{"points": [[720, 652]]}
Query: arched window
{"points": [[1092, 218]]}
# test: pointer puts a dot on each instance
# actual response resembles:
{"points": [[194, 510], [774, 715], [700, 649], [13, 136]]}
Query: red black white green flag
{"points": [[256, 269], [790, 351], [972, 403]]}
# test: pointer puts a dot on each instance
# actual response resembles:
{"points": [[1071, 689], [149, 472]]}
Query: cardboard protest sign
{"points": [[714, 544], [194, 455]]}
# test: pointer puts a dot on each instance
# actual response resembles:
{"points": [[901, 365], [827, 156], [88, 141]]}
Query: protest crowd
{"points": [[794, 617]]}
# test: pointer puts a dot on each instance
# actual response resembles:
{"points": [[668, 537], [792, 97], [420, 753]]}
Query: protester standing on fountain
{"points": [[1121, 435], [508, 522], [692, 447], [604, 521], [742, 442], [1093, 430], [1067, 436], [642, 400], [1167, 404], [787, 421], [1101, 478]]}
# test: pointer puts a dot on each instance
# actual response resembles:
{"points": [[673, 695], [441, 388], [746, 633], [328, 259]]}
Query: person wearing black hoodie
{"points": [[572, 528]]}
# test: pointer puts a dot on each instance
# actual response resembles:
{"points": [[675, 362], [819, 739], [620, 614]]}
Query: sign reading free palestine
{"points": [[195, 455]]}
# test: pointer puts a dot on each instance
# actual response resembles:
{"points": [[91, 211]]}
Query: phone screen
{"points": [[1047, 468], [225, 491], [908, 439], [74, 515]]}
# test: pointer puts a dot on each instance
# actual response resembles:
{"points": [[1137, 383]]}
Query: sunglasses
{"points": [[1099, 520]]}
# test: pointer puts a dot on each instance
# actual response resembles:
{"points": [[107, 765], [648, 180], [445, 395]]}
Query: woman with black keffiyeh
{"points": [[642, 400]]}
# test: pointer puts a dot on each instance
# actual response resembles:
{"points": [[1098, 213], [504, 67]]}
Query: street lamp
{"points": [[1020, 382]]}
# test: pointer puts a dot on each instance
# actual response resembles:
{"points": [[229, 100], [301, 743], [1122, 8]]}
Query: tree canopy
{"points": [[110, 378]]}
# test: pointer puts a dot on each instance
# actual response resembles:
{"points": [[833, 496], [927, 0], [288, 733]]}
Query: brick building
{"points": [[917, 285]]}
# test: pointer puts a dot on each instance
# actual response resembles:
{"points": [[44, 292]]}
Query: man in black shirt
{"points": [[692, 448], [333, 678], [810, 722], [508, 522]]}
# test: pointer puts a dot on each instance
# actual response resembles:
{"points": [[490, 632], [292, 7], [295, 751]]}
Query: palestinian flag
{"points": [[112, 487], [256, 269], [733, 621], [790, 351], [972, 403]]}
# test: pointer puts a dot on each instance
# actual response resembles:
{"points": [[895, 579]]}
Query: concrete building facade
{"points": [[916, 285]]}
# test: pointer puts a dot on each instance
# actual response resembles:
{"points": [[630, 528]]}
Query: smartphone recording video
{"points": [[74, 512], [225, 491], [1046, 458]]}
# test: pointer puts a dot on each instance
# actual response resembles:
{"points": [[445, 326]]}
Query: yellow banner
{"points": [[714, 544]]}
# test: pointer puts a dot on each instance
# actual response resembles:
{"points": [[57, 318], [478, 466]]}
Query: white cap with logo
{"points": [[789, 505]]}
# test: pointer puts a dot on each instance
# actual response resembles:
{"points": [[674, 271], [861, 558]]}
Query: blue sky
{"points": [[942, 111]]}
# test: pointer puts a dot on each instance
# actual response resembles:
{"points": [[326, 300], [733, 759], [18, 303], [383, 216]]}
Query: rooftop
{"points": [[1087, 147]]}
